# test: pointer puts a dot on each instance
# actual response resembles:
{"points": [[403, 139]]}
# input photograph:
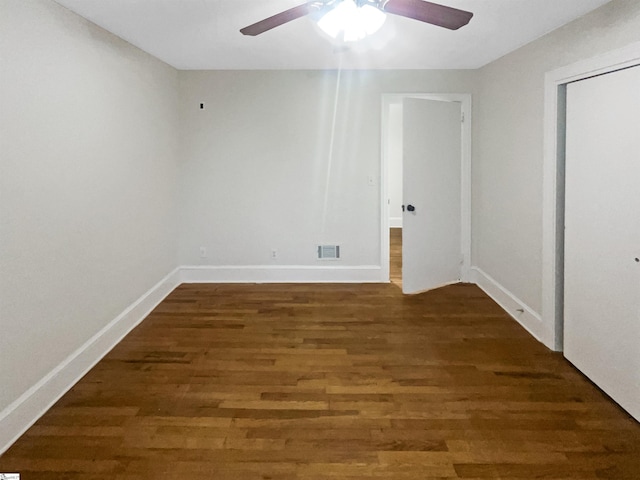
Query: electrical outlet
{"points": [[203, 252], [274, 253]]}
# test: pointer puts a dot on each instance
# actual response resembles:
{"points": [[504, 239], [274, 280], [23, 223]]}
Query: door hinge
{"points": [[462, 118]]}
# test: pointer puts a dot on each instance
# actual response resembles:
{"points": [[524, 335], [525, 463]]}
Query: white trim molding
{"points": [[31, 405], [553, 179], [395, 222], [516, 308], [280, 274]]}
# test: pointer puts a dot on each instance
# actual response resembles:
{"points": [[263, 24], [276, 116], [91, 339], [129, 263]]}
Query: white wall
{"points": [[280, 160], [395, 165], [508, 145], [87, 184]]}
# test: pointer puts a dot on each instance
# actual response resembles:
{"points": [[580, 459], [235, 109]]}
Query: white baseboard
{"points": [[30, 406], [395, 222], [525, 316], [280, 274]]}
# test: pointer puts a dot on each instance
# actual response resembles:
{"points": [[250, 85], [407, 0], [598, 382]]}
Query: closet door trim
{"points": [[553, 180]]}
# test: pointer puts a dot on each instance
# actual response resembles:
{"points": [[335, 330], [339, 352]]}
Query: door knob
{"points": [[411, 208]]}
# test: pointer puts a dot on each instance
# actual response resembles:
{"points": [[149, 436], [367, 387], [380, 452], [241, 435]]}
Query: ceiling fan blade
{"points": [[277, 20], [428, 12]]}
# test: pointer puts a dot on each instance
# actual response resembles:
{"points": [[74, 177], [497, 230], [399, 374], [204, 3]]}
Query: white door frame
{"points": [[464, 99], [553, 180]]}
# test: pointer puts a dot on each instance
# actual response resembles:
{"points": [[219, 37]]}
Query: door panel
{"points": [[602, 234], [432, 159]]}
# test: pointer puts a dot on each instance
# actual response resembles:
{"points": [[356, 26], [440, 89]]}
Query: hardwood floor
{"points": [[330, 382], [395, 255]]}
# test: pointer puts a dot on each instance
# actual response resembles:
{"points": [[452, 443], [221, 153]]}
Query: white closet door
{"points": [[602, 234]]}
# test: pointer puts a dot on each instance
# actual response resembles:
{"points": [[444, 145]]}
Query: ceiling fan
{"points": [[433, 13]]}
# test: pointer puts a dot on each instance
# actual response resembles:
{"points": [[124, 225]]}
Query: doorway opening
{"points": [[392, 233], [395, 256]]}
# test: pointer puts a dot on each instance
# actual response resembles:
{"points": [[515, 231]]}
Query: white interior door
{"points": [[432, 160], [602, 234]]}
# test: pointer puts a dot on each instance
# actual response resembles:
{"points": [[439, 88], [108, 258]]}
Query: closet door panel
{"points": [[602, 233]]}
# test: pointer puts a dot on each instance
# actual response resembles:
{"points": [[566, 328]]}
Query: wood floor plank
{"points": [[330, 382]]}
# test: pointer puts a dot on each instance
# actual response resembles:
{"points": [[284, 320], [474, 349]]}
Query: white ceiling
{"points": [[203, 34]]}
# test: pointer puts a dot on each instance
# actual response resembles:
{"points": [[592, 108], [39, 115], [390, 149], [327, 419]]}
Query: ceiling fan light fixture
{"points": [[353, 21]]}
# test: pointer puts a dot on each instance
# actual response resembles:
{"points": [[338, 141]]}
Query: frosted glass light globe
{"points": [[353, 22]]}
